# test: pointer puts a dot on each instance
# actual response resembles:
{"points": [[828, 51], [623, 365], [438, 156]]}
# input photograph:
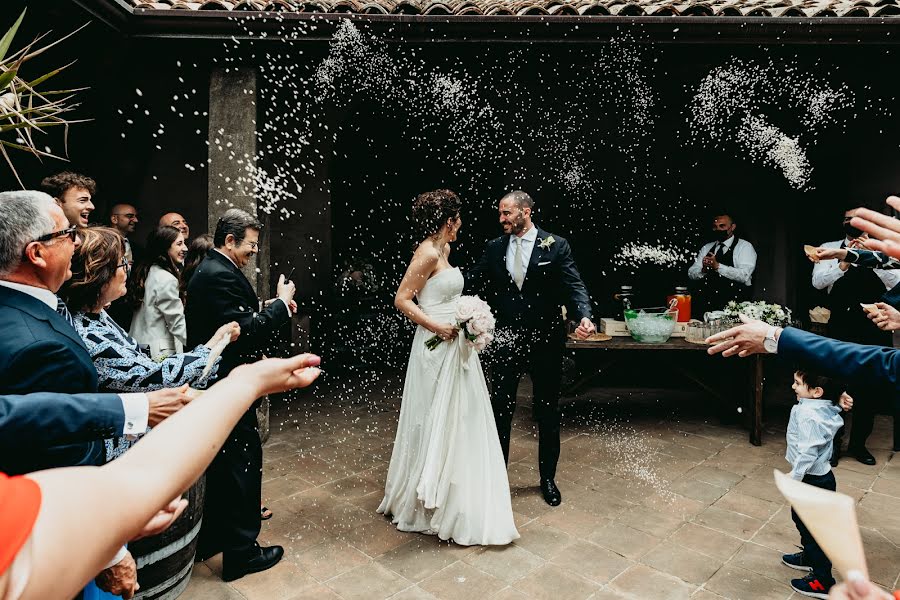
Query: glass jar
{"points": [[682, 302], [625, 297]]}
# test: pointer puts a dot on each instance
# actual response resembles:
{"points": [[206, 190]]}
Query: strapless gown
{"points": [[447, 476]]}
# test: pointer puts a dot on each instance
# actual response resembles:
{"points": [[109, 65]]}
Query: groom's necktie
{"points": [[518, 270]]}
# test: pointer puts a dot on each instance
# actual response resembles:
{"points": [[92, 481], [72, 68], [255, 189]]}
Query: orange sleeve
{"points": [[20, 501]]}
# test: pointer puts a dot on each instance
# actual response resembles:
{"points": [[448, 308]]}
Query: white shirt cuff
{"points": [[117, 558], [286, 305], [137, 411]]}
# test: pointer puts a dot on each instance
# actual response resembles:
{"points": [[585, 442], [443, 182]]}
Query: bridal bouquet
{"points": [[476, 322]]}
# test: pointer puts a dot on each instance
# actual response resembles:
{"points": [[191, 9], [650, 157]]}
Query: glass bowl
{"points": [[651, 325]]}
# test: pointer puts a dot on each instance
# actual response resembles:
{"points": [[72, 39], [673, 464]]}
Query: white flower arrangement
{"points": [[773, 314], [546, 242]]}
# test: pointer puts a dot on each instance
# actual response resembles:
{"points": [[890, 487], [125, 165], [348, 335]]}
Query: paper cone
{"points": [[214, 354], [811, 252], [831, 519], [871, 309]]}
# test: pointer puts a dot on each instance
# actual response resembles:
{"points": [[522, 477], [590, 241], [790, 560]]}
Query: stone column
{"points": [[232, 168], [232, 159]]}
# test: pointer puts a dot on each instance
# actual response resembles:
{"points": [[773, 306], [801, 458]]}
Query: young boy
{"points": [[810, 437]]}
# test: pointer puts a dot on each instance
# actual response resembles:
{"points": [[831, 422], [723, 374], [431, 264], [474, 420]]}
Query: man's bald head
{"points": [[124, 218], [175, 220]]}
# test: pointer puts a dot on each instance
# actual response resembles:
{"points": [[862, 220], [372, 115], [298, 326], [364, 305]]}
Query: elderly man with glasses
{"points": [[219, 293], [40, 351]]}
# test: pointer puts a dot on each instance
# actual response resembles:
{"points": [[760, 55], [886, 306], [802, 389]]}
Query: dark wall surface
{"points": [[548, 107], [131, 88]]}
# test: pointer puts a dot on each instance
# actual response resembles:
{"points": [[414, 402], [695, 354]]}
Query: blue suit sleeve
{"points": [[46, 419], [844, 360]]}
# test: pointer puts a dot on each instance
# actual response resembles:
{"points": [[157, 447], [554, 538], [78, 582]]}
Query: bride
{"points": [[447, 476]]}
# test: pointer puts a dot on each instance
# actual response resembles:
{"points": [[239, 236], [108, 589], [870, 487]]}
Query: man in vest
{"points": [[723, 270], [849, 285]]}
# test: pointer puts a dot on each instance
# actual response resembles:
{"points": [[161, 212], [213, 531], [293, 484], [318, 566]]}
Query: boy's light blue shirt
{"points": [[810, 436]]}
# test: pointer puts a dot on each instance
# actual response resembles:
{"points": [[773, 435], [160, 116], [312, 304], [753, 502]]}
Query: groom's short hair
{"points": [[521, 199]]}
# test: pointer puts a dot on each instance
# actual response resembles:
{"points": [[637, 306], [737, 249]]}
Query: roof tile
{"points": [[587, 8]]}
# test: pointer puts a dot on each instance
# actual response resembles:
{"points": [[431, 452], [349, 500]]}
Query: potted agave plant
{"points": [[25, 110]]}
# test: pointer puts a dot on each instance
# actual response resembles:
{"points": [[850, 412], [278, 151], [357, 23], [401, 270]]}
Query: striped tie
{"points": [[63, 311]]}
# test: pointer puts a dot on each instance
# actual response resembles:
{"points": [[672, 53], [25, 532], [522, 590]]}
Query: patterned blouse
{"points": [[125, 366]]}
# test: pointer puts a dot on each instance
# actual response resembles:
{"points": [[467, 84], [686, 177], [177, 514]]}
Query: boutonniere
{"points": [[546, 242]]}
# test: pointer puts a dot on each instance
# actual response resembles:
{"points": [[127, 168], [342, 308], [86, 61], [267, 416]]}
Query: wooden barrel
{"points": [[165, 561]]}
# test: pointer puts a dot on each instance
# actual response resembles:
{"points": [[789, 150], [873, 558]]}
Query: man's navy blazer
{"points": [[41, 352], [44, 419], [552, 280], [843, 360]]}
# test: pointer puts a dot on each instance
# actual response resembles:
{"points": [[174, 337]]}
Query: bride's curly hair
{"points": [[432, 209]]}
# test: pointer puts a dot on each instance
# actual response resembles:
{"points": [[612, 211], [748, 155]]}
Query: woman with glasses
{"points": [[154, 294], [99, 273]]}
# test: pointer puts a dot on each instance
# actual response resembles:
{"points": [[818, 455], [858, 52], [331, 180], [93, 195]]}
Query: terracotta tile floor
{"points": [[661, 499]]}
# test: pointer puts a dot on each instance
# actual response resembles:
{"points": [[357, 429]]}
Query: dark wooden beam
{"points": [[113, 13]]}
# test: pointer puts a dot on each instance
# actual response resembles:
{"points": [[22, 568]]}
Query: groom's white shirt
{"points": [[528, 241]]}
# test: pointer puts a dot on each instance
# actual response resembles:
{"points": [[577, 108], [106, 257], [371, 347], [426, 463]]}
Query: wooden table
{"points": [[619, 345]]}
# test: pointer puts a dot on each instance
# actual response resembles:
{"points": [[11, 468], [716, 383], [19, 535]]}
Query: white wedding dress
{"points": [[447, 476]]}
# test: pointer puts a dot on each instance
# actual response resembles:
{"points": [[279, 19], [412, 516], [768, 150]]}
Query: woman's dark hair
{"points": [[94, 264], [156, 253], [197, 251], [432, 209]]}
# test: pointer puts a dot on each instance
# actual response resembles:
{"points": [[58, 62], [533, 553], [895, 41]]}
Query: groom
{"points": [[526, 275]]}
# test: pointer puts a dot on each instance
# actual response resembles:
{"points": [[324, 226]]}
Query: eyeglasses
{"points": [[125, 265], [253, 246], [72, 232]]}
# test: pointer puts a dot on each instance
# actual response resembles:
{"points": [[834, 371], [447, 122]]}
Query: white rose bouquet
{"points": [[476, 322], [773, 314]]}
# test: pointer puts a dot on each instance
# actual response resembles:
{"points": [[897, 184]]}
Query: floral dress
{"points": [[123, 365]]}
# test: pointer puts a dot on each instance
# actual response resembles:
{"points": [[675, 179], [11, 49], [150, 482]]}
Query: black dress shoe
{"points": [[835, 456], [550, 492], [862, 455], [236, 565]]}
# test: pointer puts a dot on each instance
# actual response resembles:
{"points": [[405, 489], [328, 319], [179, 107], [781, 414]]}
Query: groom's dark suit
{"points": [[532, 315]]}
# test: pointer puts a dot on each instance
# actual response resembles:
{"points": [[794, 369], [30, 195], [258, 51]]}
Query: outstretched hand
{"points": [[886, 229], [273, 375], [742, 340]]}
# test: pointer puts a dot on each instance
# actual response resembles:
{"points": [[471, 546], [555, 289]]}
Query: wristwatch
{"points": [[771, 341]]}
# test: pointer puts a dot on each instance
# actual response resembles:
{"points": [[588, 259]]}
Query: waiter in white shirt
{"points": [[849, 285], [723, 269]]}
